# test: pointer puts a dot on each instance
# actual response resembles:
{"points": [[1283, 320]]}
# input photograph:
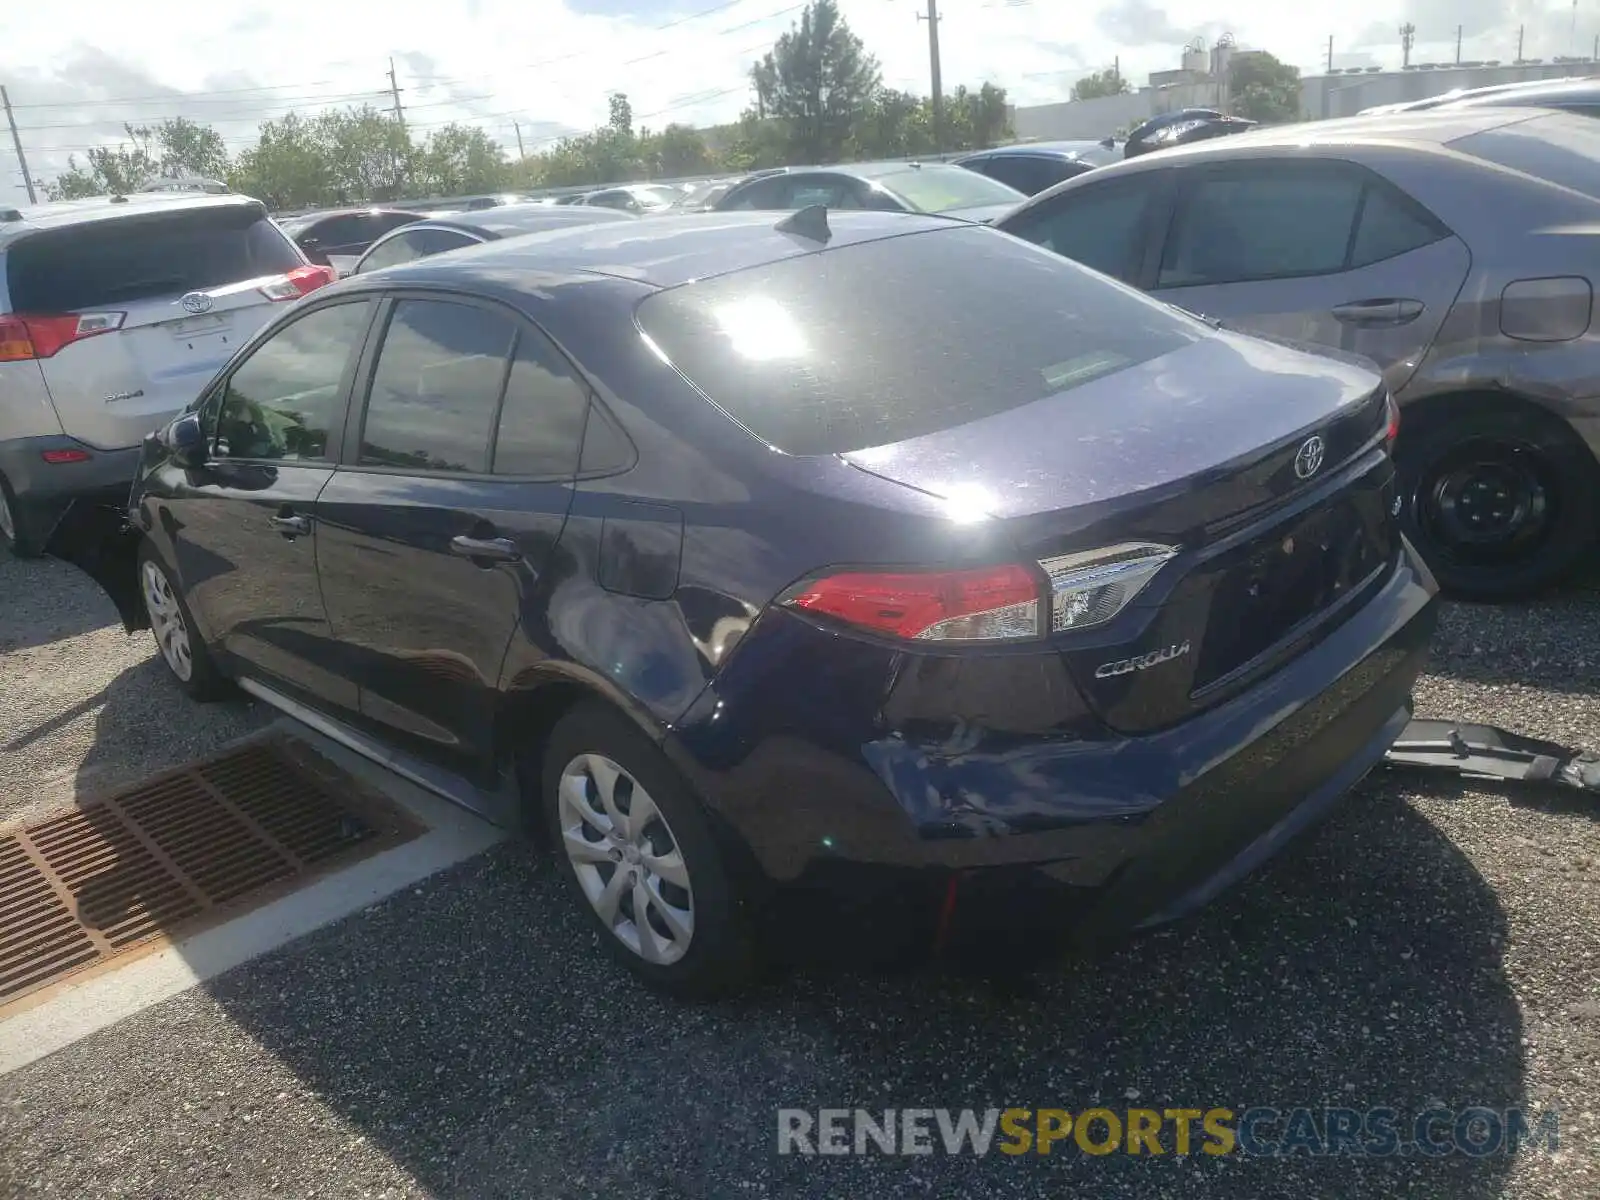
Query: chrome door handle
{"points": [[290, 526], [486, 549], [1378, 312]]}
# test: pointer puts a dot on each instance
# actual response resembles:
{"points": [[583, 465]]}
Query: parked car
{"points": [[1181, 128], [454, 231], [113, 311], [927, 187], [1030, 167], [774, 554], [1455, 248], [1570, 92], [640, 199], [703, 197], [342, 233]]}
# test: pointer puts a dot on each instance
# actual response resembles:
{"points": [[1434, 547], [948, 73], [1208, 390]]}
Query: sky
{"points": [[550, 64]]}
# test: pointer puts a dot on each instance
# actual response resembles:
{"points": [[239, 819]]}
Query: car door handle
{"points": [[1378, 312], [486, 549], [291, 526]]}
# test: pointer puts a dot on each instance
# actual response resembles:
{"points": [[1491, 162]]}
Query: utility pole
{"points": [[1330, 54], [394, 90], [1116, 70], [1458, 45], [1521, 29], [932, 18], [16, 142], [521, 153], [1408, 37]]}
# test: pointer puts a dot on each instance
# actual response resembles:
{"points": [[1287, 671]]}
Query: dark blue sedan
{"points": [[768, 553]]}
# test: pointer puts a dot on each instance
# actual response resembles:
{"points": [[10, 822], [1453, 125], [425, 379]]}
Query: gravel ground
{"points": [[1432, 945]]}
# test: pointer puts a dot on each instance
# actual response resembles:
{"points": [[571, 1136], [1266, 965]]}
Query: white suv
{"points": [[114, 313]]}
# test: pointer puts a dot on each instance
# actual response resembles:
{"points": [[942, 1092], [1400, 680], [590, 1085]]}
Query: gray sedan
{"points": [[1456, 248]]}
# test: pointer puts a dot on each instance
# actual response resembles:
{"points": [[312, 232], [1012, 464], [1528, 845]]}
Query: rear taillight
{"points": [[984, 604], [24, 337], [57, 457], [1392, 427], [299, 282]]}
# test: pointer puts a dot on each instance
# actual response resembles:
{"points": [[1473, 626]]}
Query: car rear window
{"points": [[877, 342], [103, 263], [944, 188], [1560, 148]]}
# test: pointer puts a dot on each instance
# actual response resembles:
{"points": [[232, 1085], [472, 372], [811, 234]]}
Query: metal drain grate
{"points": [[175, 854]]}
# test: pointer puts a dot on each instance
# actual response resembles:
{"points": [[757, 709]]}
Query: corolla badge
{"points": [[196, 302], [1308, 459], [1141, 662]]}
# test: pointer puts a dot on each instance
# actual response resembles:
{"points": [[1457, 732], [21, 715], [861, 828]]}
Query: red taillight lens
{"points": [[57, 457], [985, 604], [299, 282], [25, 337], [1392, 429]]}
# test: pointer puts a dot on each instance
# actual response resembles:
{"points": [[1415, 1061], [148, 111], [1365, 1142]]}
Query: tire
{"points": [[14, 533], [695, 942], [172, 626], [1500, 498]]}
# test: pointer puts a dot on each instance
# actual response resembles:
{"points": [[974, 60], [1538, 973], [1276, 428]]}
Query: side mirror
{"points": [[186, 439]]}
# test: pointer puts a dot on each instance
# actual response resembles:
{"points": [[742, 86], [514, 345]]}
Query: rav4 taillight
{"points": [[24, 337], [983, 604], [1392, 428], [299, 282]]}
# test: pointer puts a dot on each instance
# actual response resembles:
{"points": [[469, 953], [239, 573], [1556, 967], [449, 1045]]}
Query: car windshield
{"points": [[135, 258], [829, 353], [940, 188], [655, 196]]}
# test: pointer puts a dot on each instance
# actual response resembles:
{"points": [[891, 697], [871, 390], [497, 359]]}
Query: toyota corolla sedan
{"points": [[765, 553]]}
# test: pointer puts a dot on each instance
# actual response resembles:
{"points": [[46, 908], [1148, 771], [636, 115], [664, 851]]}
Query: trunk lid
{"points": [[183, 288], [1197, 451]]}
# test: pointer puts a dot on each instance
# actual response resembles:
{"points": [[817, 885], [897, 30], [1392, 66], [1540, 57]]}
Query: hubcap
{"points": [[1489, 503], [626, 858], [166, 622]]}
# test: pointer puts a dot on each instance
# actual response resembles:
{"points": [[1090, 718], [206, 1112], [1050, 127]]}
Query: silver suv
{"points": [[114, 312]]}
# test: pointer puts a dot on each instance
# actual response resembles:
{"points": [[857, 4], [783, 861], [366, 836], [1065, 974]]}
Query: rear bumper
{"points": [[45, 490], [1134, 829]]}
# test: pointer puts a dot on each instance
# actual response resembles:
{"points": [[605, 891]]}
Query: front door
{"points": [[1313, 251], [243, 526], [434, 533]]}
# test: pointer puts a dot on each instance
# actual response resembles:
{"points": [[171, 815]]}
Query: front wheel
{"points": [[1499, 499], [172, 626], [642, 856]]}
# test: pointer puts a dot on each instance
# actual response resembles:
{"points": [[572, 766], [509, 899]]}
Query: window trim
{"points": [[336, 427], [1197, 175], [361, 393], [1154, 227]]}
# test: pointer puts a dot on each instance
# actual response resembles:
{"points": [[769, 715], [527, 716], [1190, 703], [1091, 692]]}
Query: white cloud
{"points": [[550, 65]]}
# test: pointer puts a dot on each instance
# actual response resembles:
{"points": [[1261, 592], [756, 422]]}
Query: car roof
{"points": [[661, 252], [509, 220], [1520, 94], [16, 223], [1060, 149]]}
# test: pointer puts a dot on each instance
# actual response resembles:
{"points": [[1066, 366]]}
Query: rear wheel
{"points": [[1500, 499], [173, 628], [14, 534], [642, 856]]}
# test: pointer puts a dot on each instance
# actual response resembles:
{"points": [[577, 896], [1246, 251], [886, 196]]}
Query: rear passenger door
{"points": [[1314, 251], [435, 531]]}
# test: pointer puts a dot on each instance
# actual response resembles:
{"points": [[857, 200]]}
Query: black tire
{"points": [[204, 682], [1501, 499], [719, 957], [21, 541]]}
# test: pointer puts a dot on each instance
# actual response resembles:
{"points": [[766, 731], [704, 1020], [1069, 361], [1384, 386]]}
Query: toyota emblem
{"points": [[196, 302], [1308, 459]]}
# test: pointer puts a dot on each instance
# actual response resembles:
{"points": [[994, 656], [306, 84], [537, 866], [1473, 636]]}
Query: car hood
{"points": [[1179, 423]]}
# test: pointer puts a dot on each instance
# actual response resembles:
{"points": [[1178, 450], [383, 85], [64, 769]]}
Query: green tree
{"points": [[287, 167], [1261, 88], [894, 124], [457, 160], [110, 170], [1102, 83], [187, 148], [817, 79], [977, 120], [757, 142], [677, 150], [368, 155]]}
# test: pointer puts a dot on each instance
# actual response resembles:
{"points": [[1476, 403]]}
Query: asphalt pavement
{"points": [[1433, 945]]}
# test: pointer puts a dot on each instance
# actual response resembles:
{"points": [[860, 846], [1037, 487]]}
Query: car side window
{"points": [[1028, 174], [833, 193], [541, 417], [414, 244], [763, 193], [1390, 225], [1267, 221], [281, 403], [1101, 227], [337, 231], [435, 388]]}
